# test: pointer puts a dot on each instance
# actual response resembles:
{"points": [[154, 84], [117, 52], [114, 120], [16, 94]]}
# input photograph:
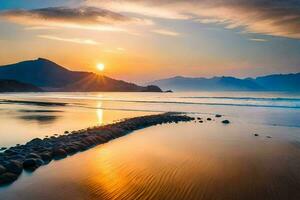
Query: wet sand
{"points": [[39, 152], [175, 161]]}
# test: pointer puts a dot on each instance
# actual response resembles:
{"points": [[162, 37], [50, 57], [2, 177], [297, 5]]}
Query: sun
{"points": [[100, 66]]}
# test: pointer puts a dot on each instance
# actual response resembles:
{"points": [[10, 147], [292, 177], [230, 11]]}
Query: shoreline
{"points": [[39, 152]]}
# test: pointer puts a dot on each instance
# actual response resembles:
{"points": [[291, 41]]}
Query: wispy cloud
{"points": [[166, 32], [258, 40], [82, 18], [72, 40], [268, 17]]}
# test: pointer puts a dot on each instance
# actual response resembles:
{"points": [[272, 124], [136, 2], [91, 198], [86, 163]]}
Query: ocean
{"points": [[191, 160]]}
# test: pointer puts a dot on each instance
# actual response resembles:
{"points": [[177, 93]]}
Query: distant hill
{"points": [[53, 77], [16, 86], [93, 83], [279, 82]]}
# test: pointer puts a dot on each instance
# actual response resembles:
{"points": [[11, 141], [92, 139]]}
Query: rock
{"points": [[10, 152], [59, 153], [8, 177], [2, 148], [46, 157], [269, 136], [225, 121], [14, 166], [30, 164], [39, 162], [199, 118], [66, 132], [208, 119], [71, 149], [217, 115], [255, 134], [200, 121], [2, 169], [33, 155], [168, 91], [35, 141]]}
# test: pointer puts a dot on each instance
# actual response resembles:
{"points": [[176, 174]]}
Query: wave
{"points": [[202, 103], [280, 102], [246, 98]]}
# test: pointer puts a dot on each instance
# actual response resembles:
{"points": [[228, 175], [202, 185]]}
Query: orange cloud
{"points": [[166, 32], [72, 40]]}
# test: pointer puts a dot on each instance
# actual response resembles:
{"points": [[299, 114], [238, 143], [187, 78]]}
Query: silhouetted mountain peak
{"points": [[53, 77]]}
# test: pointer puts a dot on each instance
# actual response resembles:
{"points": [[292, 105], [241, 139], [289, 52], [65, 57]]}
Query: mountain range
{"points": [[49, 76], [276, 82]]}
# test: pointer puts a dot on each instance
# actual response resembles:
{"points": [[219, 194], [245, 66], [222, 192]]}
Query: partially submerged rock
{"points": [[225, 121], [218, 115], [30, 164]]}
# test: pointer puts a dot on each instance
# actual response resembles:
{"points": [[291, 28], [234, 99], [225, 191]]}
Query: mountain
{"points": [[53, 77], [279, 82], [40, 72], [16, 86], [93, 83]]}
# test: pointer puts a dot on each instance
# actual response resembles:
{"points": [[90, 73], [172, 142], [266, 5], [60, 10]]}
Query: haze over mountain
{"points": [[53, 77], [278, 82]]}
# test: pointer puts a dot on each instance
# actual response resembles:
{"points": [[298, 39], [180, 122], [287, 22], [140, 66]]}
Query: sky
{"points": [[145, 40]]}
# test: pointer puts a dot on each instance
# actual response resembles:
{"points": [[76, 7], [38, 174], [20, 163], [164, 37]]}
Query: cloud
{"points": [[64, 17], [268, 17], [166, 32], [258, 40], [72, 40]]}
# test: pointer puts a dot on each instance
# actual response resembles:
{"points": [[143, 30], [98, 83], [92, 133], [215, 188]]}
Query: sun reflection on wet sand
{"points": [[183, 161]]}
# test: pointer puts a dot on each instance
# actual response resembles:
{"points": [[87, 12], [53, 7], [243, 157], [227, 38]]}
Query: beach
{"points": [[255, 156]]}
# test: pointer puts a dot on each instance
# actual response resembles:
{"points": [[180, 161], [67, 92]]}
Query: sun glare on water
{"points": [[100, 66]]}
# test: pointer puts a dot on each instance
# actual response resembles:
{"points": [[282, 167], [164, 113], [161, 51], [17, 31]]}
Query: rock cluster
{"points": [[38, 152]]}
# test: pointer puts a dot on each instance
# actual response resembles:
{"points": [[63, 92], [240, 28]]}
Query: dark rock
{"points": [[14, 166], [35, 141], [225, 121], [30, 164], [39, 162], [10, 152], [2, 148], [33, 155], [46, 156], [2, 169], [71, 149], [59, 153], [217, 115], [255, 134], [208, 119], [200, 121], [199, 118], [8, 177]]}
